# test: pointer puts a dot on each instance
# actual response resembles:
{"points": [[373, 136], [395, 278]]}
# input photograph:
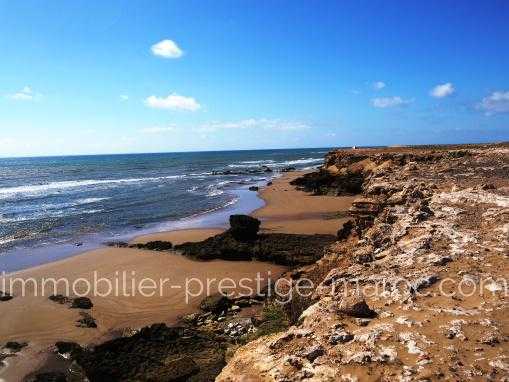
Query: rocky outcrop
{"points": [[242, 242], [415, 287], [156, 353]]}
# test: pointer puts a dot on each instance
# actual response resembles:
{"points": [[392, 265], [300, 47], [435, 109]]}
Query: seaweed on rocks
{"points": [[156, 353]]}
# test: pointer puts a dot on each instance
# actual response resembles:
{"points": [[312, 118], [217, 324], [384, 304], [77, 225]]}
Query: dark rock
{"points": [[254, 188], [243, 302], [355, 306], [244, 227], [313, 353], [269, 183], [340, 336], [81, 303], [156, 353], [217, 303], [52, 376], [4, 296], [346, 230], [279, 248], [288, 169], [86, 321], [156, 245], [15, 346], [59, 299], [72, 348], [117, 244], [324, 183]]}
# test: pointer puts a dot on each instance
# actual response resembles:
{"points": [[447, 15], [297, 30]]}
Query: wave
{"points": [[302, 161], [7, 192], [272, 163]]}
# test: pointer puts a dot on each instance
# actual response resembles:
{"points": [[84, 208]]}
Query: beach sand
{"points": [[41, 322]]}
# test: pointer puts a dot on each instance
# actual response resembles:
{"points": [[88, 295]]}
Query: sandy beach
{"points": [[41, 322]]}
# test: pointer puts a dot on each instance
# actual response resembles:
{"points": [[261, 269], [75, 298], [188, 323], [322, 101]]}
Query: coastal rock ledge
{"points": [[415, 287]]}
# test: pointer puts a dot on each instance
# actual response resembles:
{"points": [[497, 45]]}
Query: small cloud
{"points": [[379, 85], [254, 123], [25, 94], [124, 97], [166, 49], [158, 129], [496, 102], [386, 102], [443, 90], [173, 102]]}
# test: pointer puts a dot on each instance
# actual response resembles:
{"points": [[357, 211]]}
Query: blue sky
{"points": [[88, 77]]}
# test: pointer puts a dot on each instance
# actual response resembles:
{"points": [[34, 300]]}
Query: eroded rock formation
{"points": [[415, 287]]}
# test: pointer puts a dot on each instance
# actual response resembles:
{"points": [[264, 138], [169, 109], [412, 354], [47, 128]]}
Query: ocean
{"points": [[54, 207]]}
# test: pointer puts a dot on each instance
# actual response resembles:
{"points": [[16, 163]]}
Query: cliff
{"points": [[415, 287]]}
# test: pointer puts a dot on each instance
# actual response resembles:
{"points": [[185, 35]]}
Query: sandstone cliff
{"points": [[415, 288]]}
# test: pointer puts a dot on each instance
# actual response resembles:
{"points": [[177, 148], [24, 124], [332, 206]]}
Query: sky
{"points": [[93, 77]]}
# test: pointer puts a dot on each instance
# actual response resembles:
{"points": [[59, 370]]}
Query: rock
{"points": [[217, 303], [156, 245], [356, 306], [243, 302], [288, 169], [86, 321], [15, 346], [68, 348], [4, 296], [81, 303], [346, 230], [423, 282], [266, 169], [340, 336], [59, 299], [117, 244], [269, 183], [156, 353], [244, 227], [239, 326], [313, 353], [235, 308], [254, 188], [53, 376]]}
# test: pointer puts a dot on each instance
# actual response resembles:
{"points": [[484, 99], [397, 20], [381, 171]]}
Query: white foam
{"points": [[55, 186]]}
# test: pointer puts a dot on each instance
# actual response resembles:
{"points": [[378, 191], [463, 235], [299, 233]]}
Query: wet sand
{"points": [[41, 322]]}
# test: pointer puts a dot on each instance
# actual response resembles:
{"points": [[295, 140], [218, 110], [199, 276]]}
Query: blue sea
{"points": [[54, 207]]}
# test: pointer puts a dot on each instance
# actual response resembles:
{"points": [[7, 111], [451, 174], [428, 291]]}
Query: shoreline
{"points": [[42, 322]]}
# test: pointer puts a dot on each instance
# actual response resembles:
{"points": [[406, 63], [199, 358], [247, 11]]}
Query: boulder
{"points": [[81, 303], [216, 303], [346, 230], [65, 347], [288, 169], [244, 227], [4, 296], [254, 188], [157, 245], [59, 299], [86, 321], [340, 336], [15, 346], [356, 306]]}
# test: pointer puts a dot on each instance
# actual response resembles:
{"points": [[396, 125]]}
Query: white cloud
{"points": [[255, 123], [379, 85], [173, 101], [24, 94], [166, 49], [124, 97], [386, 102], [443, 90], [496, 102], [158, 129]]}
